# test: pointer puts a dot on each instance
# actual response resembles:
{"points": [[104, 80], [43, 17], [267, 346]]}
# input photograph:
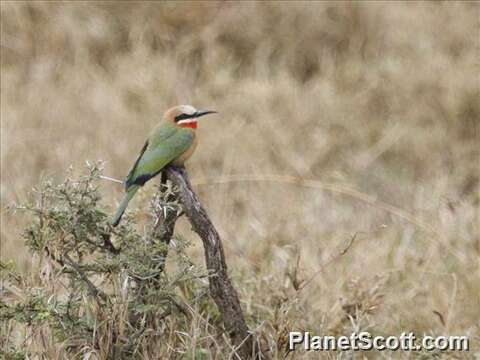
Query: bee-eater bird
{"points": [[172, 141]]}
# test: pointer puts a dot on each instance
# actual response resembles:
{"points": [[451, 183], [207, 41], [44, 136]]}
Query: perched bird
{"points": [[172, 141]]}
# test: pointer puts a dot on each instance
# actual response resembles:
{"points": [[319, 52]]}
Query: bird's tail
{"points": [[123, 204]]}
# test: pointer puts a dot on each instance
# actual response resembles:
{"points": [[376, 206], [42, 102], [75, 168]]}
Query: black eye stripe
{"points": [[183, 117]]}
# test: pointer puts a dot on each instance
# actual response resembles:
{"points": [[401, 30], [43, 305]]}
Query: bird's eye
{"points": [[182, 117]]}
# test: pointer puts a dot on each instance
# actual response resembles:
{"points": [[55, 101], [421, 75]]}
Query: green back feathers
{"points": [[165, 143]]}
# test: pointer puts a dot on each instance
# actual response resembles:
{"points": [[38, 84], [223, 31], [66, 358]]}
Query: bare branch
{"points": [[94, 292], [221, 288]]}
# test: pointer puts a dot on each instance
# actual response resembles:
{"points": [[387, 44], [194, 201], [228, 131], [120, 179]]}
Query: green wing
{"points": [[158, 134], [164, 145], [132, 169]]}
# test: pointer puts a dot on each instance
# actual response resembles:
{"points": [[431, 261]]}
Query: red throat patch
{"points": [[191, 124]]}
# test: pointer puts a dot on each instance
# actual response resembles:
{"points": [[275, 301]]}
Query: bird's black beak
{"points": [[201, 113]]}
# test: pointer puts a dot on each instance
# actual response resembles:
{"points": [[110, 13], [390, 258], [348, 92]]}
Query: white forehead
{"points": [[187, 109]]}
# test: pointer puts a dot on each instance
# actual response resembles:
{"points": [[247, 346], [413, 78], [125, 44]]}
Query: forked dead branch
{"points": [[221, 288]]}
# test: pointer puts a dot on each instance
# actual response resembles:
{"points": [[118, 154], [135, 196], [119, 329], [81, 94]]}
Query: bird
{"points": [[172, 141]]}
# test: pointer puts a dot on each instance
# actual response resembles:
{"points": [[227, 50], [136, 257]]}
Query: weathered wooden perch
{"points": [[221, 288]]}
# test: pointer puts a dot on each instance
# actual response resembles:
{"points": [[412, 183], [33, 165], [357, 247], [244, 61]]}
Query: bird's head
{"points": [[185, 116]]}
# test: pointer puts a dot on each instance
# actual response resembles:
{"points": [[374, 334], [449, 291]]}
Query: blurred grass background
{"points": [[377, 103]]}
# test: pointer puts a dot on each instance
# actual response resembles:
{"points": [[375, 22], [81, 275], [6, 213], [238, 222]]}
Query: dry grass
{"points": [[336, 119]]}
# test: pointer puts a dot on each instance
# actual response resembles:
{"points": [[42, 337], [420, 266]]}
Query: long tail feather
{"points": [[123, 204]]}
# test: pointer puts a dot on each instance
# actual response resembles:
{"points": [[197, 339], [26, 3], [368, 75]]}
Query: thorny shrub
{"points": [[101, 291]]}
